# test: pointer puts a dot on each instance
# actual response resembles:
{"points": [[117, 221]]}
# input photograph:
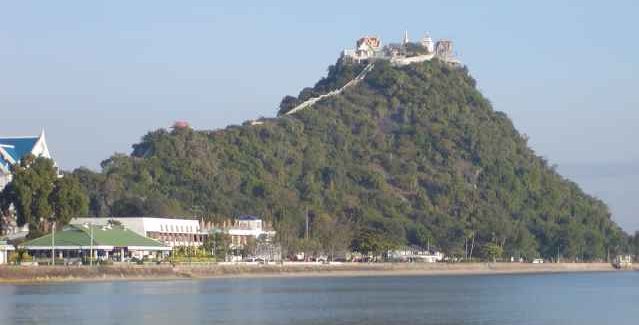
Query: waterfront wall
{"points": [[26, 274]]}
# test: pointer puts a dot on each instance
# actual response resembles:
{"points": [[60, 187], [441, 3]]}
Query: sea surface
{"points": [[575, 298]]}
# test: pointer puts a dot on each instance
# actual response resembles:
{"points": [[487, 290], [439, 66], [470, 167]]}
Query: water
{"points": [[585, 298]]}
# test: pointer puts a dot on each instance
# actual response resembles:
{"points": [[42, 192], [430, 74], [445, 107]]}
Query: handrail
{"points": [[354, 81]]}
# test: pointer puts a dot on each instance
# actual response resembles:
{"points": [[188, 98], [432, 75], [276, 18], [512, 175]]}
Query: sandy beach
{"points": [[43, 274]]}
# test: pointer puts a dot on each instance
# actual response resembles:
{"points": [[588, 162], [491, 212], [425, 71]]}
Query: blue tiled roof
{"points": [[4, 163], [248, 218], [21, 146]]}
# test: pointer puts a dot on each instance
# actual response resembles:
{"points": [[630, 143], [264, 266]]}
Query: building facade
{"points": [[241, 230], [246, 227], [365, 48], [369, 48], [101, 242], [4, 252], [427, 43], [171, 232]]}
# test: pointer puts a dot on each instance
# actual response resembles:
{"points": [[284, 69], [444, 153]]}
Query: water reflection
{"points": [[529, 299]]}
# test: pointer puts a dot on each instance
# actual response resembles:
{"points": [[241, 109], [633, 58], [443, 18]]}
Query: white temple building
{"points": [[428, 44], [369, 48], [14, 149]]}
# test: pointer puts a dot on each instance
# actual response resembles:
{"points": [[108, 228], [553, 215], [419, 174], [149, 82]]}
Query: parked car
{"points": [[255, 259], [538, 261]]}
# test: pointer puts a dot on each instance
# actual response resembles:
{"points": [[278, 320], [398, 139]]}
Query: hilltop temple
{"points": [[369, 48]]}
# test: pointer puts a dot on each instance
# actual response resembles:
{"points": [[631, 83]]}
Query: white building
{"points": [[246, 227], [369, 48], [415, 253], [171, 232], [4, 252], [366, 48], [428, 44]]}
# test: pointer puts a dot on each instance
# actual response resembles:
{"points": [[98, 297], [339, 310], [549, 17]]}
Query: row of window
{"points": [[178, 228], [178, 238]]}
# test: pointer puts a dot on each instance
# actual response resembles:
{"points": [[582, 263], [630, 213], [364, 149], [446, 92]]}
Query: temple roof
{"points": [[247, 217], [14, 149], [4, 164], [17, 148]]}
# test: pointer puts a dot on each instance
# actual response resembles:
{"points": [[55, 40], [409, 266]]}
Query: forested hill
{"points": [[410, 155]]}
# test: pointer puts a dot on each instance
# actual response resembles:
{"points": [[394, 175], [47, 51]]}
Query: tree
{"points": [[374, 242], [524, 245], [249, 247], [68, 200], [321, 230], [287, 103], [311, 247], [218, 244], [635, 244], [288, 232], [333, 234], [30, 192], [420, 235], [409, 145], [41, 197], [493, 251], [594, 248]]}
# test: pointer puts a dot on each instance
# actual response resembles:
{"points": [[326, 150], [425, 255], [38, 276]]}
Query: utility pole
{"points": [[306, 234], [53, 244], [558, 253]]}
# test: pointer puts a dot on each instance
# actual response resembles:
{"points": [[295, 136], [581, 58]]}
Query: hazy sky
{"points": [[97, 75]]}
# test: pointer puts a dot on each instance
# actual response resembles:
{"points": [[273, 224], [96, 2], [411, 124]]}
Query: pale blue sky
{"points": [[99, 74]]}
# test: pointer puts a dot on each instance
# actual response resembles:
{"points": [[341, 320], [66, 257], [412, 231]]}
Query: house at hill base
{"points": [[172, 232], [108, 242], [622, 262], [414, 253], [5, 248], [242, 229], [246, 227]]}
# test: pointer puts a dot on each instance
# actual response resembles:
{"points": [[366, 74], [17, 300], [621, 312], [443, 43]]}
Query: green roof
{"points": [[5, 246], [79, 235]]}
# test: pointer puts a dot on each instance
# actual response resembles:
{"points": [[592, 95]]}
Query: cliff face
{"points": [[411, 154]]}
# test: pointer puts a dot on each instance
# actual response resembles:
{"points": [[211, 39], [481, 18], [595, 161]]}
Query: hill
{"points": [[410, 155]]}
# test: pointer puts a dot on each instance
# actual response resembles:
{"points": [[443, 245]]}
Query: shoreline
{"points": [[63, 274]]}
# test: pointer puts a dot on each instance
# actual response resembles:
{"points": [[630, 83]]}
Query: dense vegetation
{"points": [[40, 197], [411, 155]]}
